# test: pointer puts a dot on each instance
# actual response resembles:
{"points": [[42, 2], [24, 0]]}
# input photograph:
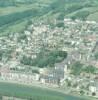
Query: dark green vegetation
{"points": [[5, 53], [45, 58], [96, 55], [6, 19], [15, 14], [34, 93], [5, 3], [78, 68]]}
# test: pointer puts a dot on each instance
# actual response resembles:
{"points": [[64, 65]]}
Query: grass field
{"points": [[35, 93], [93, 17]]}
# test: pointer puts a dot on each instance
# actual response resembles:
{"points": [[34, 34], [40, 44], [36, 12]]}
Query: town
{"points": [[62, 54]]}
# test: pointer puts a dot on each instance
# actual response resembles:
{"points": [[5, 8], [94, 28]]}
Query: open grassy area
{"points": [[35, 93], [93, 16]]}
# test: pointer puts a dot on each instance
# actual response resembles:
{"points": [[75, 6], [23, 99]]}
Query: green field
{"points": [[93, 16], [36, 93], [14, 15]]}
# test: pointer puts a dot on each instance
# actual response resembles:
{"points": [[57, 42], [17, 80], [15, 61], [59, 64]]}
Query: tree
{"points": [[93, 94], [96, 55], [1, 54], [76, 68], [82, 92], [45, 58], [90, 69]]}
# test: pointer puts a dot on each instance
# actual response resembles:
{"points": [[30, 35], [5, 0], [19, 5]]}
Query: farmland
{"points": [[18, 13]]}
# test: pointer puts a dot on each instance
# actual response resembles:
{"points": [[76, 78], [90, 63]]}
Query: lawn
{"points": [[36, 93]]}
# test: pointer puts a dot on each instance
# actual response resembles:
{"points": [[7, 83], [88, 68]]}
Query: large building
{"points": [[55, 76], [7, 74]]}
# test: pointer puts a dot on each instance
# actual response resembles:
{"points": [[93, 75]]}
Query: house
{"points": [[96, 84], [93, 88], [11, 98], [49, 80]]}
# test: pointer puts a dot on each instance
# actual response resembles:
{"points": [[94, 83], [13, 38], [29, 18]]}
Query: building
{"points": [[11, 98], [8, 75]]}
